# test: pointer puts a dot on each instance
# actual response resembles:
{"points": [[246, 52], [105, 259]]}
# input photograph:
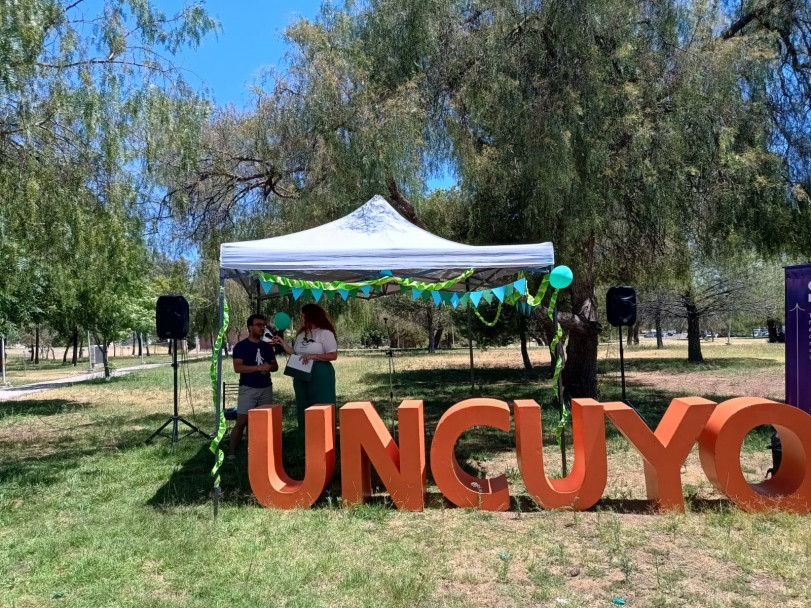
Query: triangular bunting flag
{"points": [[330, 295], [426, 295], [366, 289], [403, 289], [386, 273], [317, 293], [437, 297], [509, 290], [266, 285], [353, 293], [499, 292], [488, 296], [464, 299], [525, 307], [344, 293], [455, 300], [297, 291], [283, 289], [521, 286], [476, 297], [416, 293], [446, 296]]}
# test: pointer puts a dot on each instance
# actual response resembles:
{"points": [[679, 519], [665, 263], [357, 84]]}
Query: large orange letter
{"points": [[270, 484], [365, 439], [666, 450], [584, 486], [461, 488], [720, 452]]}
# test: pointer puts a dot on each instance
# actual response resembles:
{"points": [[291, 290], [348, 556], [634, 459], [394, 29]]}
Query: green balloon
{"points": [[560, 277], [281, 321]]}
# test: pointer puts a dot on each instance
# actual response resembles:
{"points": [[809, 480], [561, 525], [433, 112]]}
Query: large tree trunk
{"points": [[104, 345], [524, 352], [429, 325], [65, 356], [580, 373], [140, 345], [771, 324], [657, 319], [75, 360], [438, 336], [146, 343], [132, 354], [693, 332]]}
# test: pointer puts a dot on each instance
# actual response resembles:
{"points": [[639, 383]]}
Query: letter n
{"points": [[269, 482], [458, 486], [585, 484], [366, 441], [664, 451]]}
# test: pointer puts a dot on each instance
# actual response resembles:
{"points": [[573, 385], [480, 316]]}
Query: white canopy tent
{"points": [[372, 239]]}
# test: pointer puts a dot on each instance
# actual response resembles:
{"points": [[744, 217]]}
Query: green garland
{"points": [[215, 443], [336, 285], [488, 323]]}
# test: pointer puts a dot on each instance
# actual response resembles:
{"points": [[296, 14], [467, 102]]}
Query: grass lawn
{"points": [[20, 370], [91, 516]]}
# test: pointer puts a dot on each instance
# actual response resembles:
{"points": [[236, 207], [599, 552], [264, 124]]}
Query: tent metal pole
{"points": [[558, 349], [219, 352], [470, 337]]}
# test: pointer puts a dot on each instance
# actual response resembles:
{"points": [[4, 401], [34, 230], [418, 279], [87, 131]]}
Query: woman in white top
{"points": [[315, 341]]}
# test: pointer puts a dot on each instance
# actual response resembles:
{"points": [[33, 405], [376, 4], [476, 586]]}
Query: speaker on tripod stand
{"points": [[172, 323], [620, 304]]}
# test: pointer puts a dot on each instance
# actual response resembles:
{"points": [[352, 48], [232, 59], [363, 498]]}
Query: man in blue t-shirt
{"points": [[254, 359]]}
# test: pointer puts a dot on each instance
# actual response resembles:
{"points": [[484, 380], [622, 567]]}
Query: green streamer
{"points": [[562, 424], [536, 300], [335, 285], [215, 443], [488, 323]]}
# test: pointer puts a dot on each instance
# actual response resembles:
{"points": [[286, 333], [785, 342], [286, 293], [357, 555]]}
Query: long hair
{"points": [[315, 317]]}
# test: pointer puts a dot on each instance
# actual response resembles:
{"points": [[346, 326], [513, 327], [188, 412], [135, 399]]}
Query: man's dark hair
{"points": [[253, 318]]}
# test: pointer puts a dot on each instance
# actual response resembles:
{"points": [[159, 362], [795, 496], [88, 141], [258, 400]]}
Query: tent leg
{"points": [[470, 339], [219, 352], [558, 349]]}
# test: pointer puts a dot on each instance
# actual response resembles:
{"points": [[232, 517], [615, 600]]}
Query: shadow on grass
{"points": [[680, 365], [42, 407], [66, 451]]}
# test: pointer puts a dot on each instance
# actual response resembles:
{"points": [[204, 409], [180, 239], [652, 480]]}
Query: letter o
{"points": [[720, 452]]}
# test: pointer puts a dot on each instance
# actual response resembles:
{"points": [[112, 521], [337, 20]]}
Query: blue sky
{"points": [[251, 40]]}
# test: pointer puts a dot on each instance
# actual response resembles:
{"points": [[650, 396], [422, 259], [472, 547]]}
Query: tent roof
{"points": [[372, 238]]}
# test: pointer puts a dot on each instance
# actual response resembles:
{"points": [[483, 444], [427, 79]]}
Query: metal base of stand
{"points": [[174, 420]]}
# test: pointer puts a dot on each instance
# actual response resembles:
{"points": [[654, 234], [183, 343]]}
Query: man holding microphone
{"points": [[254, 359]]}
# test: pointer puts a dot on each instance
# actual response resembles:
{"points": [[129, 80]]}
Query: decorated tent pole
{"points": [[470, 338], [219, 351], [558, 349]]}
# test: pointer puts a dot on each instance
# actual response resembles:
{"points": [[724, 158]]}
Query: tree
{"points": [[626, 133]]}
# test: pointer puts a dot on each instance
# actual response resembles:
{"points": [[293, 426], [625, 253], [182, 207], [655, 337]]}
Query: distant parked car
{"points": [[649, 334]]}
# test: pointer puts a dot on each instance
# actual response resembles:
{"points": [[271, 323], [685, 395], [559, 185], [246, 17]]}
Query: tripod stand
{"points": [[173, 420]]}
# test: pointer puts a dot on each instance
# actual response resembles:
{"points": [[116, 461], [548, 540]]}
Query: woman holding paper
{"points": [[315, 342]]}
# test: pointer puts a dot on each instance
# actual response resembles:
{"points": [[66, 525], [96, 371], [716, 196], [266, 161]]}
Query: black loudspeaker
{"points": [[172, 317], [621, 306]]}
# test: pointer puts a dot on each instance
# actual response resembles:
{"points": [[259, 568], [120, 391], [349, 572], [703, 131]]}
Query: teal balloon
{"points": [[281, 321], [560, 277]]}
